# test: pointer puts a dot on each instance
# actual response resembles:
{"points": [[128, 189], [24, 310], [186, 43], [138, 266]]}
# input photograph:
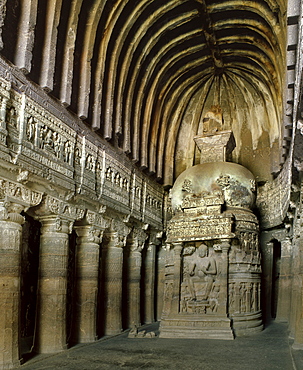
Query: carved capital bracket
{"points": [[54, 206], [11, 212], [88, 234], [90, 229], [225, 245], [15, 198], [155, 238], [117, 234], [137, 239], [17, 193], [57, 212], [177, 248], [97, 220]]}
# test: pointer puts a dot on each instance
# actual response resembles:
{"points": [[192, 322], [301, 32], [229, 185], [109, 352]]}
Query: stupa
{"points": [[213, 269]]}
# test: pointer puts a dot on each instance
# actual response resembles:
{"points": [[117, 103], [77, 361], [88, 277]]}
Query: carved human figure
{"points": [[30, 131], [12, 119], [204, 270], [57, 144], [48, 139], [67, 152]]}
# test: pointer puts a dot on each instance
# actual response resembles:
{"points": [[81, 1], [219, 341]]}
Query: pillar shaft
{"points": [[267, 261], [113, 289], [160, 281], [10, 243], [177, 249], [222, 309], [86, 287], [284, 294], [52, 286], [149, 307], [134, 280]]}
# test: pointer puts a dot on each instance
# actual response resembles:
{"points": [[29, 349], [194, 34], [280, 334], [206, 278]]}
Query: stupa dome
{"points": [[233, 182]]}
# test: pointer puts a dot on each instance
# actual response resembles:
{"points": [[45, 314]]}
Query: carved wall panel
{"points": [[35, 136]]}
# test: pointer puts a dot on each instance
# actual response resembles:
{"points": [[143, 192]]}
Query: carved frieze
{"points": [[37, 137], [153, 204], [202, 228], [274, 197], [116, 181]]}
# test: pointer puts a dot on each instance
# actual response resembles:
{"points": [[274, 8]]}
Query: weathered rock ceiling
{"points": [[143, 73]]}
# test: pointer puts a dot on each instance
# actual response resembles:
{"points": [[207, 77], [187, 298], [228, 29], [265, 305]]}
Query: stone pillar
{"points": [[89, 232], [161, 258], [149, 283], [169, 282], [138, 238], [223, 295], [112, 252], [56, 218], [177, 249], [296, 323], [10, 243], [17, 198], [267, 260], [284, 294]]}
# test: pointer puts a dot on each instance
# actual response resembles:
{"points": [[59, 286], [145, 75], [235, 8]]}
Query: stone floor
{"points": [[268, 350]]}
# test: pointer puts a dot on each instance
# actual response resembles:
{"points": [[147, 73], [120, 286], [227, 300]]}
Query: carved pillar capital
{"points": [[155, 237], [11, 212], [15, 198], [91, 228], [97, 220], [117, 234], [137, 240], [57, 214], [225, 245], [177, 248], [54, 206]]}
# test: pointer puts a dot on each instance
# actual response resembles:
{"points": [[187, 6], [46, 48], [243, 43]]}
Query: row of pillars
{"points": [[95, 235]]}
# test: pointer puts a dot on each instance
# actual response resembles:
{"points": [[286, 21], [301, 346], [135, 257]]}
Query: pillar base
{"points": [[113, 332], [195, 327], [48, 350], [11, 365], [246, 324]]}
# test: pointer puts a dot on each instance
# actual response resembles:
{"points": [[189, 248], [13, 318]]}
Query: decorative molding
{"points": [[45, 144], [18, 193], [56, 207]]}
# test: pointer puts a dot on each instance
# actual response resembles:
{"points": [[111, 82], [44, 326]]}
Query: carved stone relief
{"points": [[218, 274], [49, 147], [200, 284]]}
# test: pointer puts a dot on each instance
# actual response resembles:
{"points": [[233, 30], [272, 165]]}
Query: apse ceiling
{"points": [[143, 73]]}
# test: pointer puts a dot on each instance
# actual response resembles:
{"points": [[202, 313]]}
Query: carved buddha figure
{"points": [[202, 275]]}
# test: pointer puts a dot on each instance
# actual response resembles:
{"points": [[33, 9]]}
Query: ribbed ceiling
{"points": [[143, 73]]}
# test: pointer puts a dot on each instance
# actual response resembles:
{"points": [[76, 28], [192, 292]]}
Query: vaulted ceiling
{"points": [[143, 73]]}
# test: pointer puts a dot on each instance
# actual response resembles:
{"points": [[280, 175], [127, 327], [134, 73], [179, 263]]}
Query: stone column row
{"points": [[58, 219]]}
